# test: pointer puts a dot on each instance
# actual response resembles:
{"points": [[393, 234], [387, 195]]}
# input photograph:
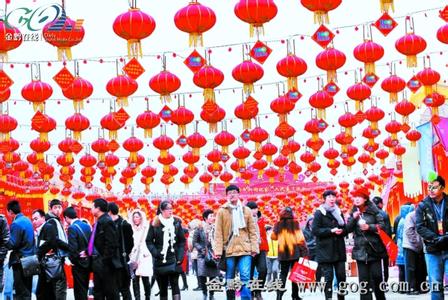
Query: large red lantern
{"points": [[320, 8], [10, 39], [101, 146], [63, 33], [285, 131], [374, 115], [37, 92], [44, 126], [77, 91], [348, 121], [165, 83], [413, 136], [122, 87], [134, 26], [212, 114], [256, 13], [269, 150], [330, 60], [39, 147], [291, 67], [181, 117], [368, 52], [195, 19], [393, 127], [241, 153], [77, 123], [411, 45], [434, 101], [208, 78], [246, 113], [248, 73], [393, 85], [148, 121], [258, 135], [271, 173], [442, 34], [4, 95]]}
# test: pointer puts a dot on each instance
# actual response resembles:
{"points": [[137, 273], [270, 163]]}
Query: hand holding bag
{"points": [[30, 265]]}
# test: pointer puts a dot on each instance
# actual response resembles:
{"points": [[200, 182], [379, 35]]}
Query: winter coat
{"points": [[388, 227], [243, 244], [106, 243], [49, 240], [368, 245], [140, 253], [263, 237], [273, 248], [310, 239], [411, 239], [202, 242], [154, 242], [4, 238], [330, 247], [21, 241], [427, 228], [291, 242], [404, 211]]}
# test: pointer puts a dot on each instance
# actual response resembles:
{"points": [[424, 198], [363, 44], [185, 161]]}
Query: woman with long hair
{"points": [[365, 220], [291, 246], [140, 256], [166, 242]]}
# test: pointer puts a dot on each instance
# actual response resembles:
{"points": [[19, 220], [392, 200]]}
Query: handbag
{"points": [[303, 271], [209, 260], [52, 265], [168, 269], [30, 265]]}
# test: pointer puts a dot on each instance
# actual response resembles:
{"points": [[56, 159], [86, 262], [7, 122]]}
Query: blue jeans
{"points": [[243, 263], [436, 264]]}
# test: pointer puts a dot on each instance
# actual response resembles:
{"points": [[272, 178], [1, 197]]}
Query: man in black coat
{"points": [[126, 243], [329, 228], [4, 238], [52, 242], [103, 247], [378, 201], [431, 220], [78, 240]]}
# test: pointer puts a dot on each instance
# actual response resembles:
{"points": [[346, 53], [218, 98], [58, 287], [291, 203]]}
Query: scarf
{"points": [[238, 221], [336, 213], [169, 235]]}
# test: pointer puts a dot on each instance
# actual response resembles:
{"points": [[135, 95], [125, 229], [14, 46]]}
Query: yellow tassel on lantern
{"points": [[247, 124], [271, 179], [212, 127], [163, 153], [394, 136], [257, 146], [110, 170], [147, 132], [38, 106], [195, 39], [77, 135], [315, 137], [113, 134], [344, 148], [292, 157], [374, 125], [133, 157], [292, 83], [241, 163], [411, 61], [393, 97], [64, 53], [369, 68], [269, 158], [135, 49], [321, 17], [43, 136], [165, 98], [371, 142], [122, 101], [78, 105], [428, 90], [206, 186], [182, 130], [321, 113], [5, 136], [226, 184], [282, 118], [196, 151], [413, 143], [435, 111], [166, 169], [387, 5], [225, 149], [285, 142], [101, 156], [209, 95], [260, 174], [248, 88], [256, 28], [4, 56]]}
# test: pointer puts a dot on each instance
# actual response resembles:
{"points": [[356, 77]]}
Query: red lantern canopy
{"points": [[181, 117], [321, 100], [195, 19], [256, 13], [411, 45], [148, 121], [122, 87], [37, 92], [358, 93], [368, 52], [208, 78], [248, 73], [165, 83], [413, 136], [133, 145], [77, 123], [405, 108], [393, 85], [63, 33], [330, 60], [134, 26], [10, 39], [77, 91], [224, 139], [428, 78], [291, 67], [320, 8]]}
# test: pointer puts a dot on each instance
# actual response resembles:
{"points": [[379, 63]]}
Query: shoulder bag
{"points": [[52, 265], [30, 265]]}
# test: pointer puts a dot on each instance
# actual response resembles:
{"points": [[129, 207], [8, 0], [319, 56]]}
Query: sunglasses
{"points": [[433, 187]]}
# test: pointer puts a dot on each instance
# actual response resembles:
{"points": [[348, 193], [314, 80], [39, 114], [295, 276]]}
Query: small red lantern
{"points": [[246, 113], [77, 91], [206, 179], [101, 146], [330, 60], [248, 73], [163, 143], [224, 139], [208, 78], [37, 92], [321, 100], [282, 106], [382, 155], [256, 13], [165, 83], [359, 92], [45, 125], [122, 87], [411, 45], [271, 173], [77, 123], [434, 101], [368, 52], [291, 67], [195, 19], [148, 121], [212, 114], [196, 141], [348, 121], [393, 85], [442, 34], [7, 124], [10, 39], [269, 150], [413, 136], [4, 95], [258, 135], [405, 108], [241, 153], [284, 131], [374, 115], [181, 117], [110, 123], [428, 78], [133, 145]]}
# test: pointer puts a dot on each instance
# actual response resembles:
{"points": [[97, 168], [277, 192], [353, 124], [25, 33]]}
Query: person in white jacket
{"points": [[140, 257]]}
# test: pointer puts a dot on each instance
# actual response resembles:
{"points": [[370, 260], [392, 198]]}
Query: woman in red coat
{"points": [[185, 262]]}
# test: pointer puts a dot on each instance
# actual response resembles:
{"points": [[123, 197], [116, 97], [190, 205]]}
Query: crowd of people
{"points": [[231, 245]]}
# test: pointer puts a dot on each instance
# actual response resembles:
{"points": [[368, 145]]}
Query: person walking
{"points": [[21, 242], [103, 248], [404, 211], [140, 257], [166, 242], [52, 246], [78, 240], [414, 258], [291, 246], [369, 250], [431, 220], [202, 240], [236, 239], [259, 260], [330, 229], [378, 201], [4, 238], [271, 257]]}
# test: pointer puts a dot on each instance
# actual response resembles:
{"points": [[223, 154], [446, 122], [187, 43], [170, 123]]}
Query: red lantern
{"points": [[165, 83], [358, 93], [87, 161], [393, 127], [405, 108], [226, 177], [10, 39], [260, 165], [224, 139], [280, 162], [248, 73], [413, 136], [399, 151], [190, 159], [315, 145], [434, 101], [293, 148], [208, 78], [271, 173], [186, 180], [241, 153], [206, 179], [371, 133], [374, 115], [348, 121], [269, 150], [63, 33], [368, 52], [428, 78], [382, 155], [321, 100], [100, 146], [37, 92], [285, 131], [166, 162], [110, 123], [246, 113], [181, 117], [148, 121], [320, 8], [44, 126], [330, 60], [258, 135], [77, 91], [393, 85], [77, 123], [195, 19], [291, 67], [442, 34], [411, 45], [214, 156], [163, 143], [133, 145], [212, 114], [282, 106], [256, 13], [4, 95], [294, 169], [7, 124], [196, 141], [40, 147], [307, 157], [122, 87], [134, 26]]}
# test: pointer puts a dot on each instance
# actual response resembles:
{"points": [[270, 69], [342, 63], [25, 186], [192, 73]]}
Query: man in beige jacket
{"points": [[236, 236]]}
